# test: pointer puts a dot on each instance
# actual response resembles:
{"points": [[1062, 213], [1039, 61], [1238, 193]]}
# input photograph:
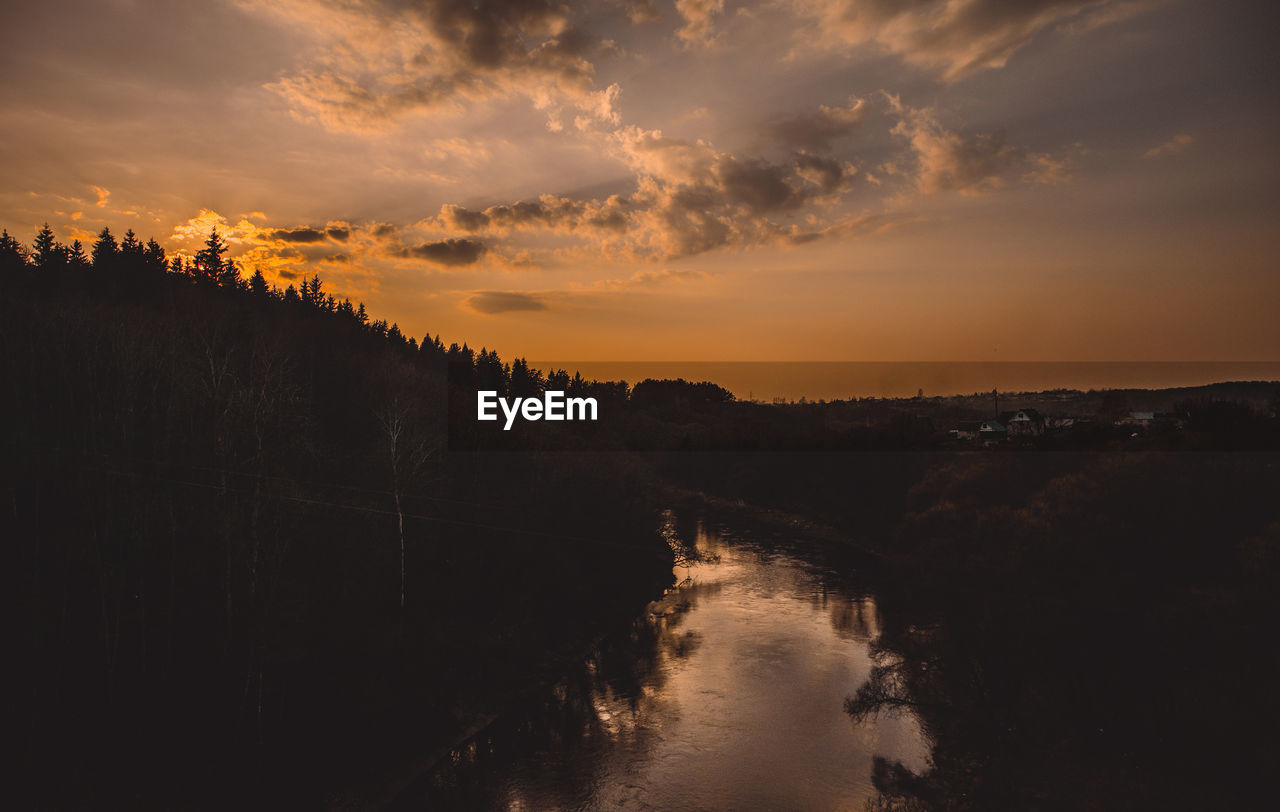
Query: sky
{"points": [[697, 180]]}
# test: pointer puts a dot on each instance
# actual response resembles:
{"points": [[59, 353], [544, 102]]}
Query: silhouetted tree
{"points": [[311, 292], [131, 251], [47, 253], [525, 382], [208, 262], [229, 275], [76, 258], [409, 447], [105, 251], [258, 284], [490, 373], [13, 256], [153, 258]]}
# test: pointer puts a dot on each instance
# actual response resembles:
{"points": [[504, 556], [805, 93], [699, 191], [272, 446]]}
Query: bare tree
{"points": [[409, 444]]}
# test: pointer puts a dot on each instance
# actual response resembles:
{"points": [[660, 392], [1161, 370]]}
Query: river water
{"points": [[728, 693]]}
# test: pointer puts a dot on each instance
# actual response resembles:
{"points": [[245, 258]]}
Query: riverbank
{"points": [[727, 693], [390, 787]]}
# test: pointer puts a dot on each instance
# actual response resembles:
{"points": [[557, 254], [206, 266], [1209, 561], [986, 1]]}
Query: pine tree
{"points": [[131, 251], [208, 264], [13, 256], [76, 258], [258, 284], [47, 253], [229, 276], [105, 251], [153, 258], [311, 291]]}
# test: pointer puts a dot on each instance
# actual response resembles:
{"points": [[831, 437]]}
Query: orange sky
{"points": [[698, 180]]}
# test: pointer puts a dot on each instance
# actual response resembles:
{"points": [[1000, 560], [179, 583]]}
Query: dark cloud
{"points": [[818, 129], [338, 233], [298, 235], [492, 302], [450, 252], [459, 48], [826, 173], [756, 184], [383, 231], [549, 212], [689, 199]]}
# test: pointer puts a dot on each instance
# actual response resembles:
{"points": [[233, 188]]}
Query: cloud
{"points": [[450, 252], [827, 174], [195, 230], [493, 302], [550, 212], [689, 198], [642, 11], [948, 161], [1178, 144], [284, 254], [104, 196], [298, 235], [699, 16], [458, 150], [377, 61], [653, 279], [817, 130], [957, 38]]}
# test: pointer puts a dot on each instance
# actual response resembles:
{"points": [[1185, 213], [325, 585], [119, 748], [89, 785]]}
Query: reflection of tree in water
{"points": [[852, 617], [565, 749], [552, 752]]}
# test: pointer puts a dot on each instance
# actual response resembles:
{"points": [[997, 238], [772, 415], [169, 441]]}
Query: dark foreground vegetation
{"points": [[258, 548], [1084, 631], [241, 561]]}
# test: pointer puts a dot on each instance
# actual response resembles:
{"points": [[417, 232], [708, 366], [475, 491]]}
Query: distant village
{"points": [[1073, 416], [1029, 422]]}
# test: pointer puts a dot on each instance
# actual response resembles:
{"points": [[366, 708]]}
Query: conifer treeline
{"points": [[137, 269]]}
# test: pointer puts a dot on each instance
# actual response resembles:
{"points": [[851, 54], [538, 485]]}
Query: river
{"points": [[727, 693]]}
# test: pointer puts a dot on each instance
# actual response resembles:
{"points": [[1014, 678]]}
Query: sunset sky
{"points": [[980, 180]]}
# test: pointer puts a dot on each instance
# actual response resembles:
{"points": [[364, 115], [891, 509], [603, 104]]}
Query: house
{"points": [[992, 431], [1023, 423], [978, 429], [1140, 420], [966, 430]]}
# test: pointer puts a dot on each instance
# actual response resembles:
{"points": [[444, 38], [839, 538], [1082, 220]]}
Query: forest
{"points": [[241, 556], [259, 546]]}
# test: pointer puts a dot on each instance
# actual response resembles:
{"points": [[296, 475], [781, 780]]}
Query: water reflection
{"points": [[728, 693]]}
